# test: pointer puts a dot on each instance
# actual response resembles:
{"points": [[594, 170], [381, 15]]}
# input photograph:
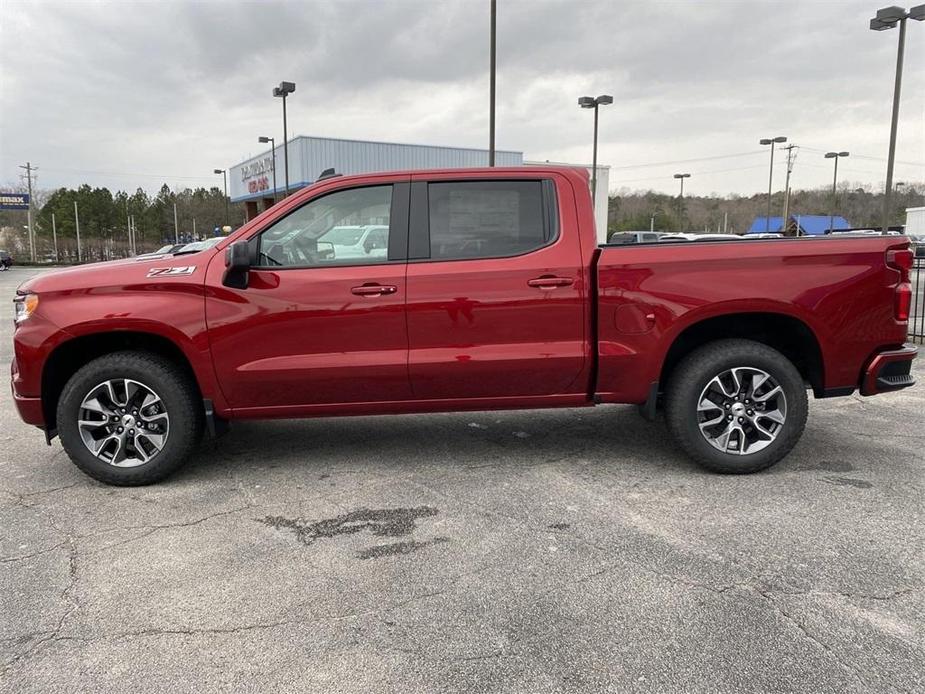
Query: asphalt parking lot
{"points": [[523, 552]]}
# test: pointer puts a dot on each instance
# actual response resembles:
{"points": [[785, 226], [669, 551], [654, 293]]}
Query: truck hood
{"points": [[129, 271]]}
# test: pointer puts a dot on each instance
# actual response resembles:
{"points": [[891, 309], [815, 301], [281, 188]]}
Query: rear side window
{"points": [[487, 219]]}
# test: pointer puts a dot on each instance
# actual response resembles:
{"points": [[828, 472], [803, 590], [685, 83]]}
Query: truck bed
{"points": [[836, 291]]}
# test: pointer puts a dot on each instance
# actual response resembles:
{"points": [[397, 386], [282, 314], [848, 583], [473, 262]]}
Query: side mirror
{"points": [[238, 256], [325, 250], [237, 265]]}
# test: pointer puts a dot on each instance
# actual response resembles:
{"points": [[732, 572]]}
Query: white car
{"points": [[698, 237], [371, 240]]}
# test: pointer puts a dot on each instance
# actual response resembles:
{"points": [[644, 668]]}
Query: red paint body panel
{"points": [[477, 329], [466, 334]]}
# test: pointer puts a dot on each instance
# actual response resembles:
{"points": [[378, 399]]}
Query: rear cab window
{"points": [[460, 220]]}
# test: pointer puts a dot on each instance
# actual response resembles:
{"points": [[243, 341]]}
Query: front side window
{"points": [[486, 219], [348, 227]]}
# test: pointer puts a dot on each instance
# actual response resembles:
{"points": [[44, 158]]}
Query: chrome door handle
{"points": [[550, 282], [374, 289]]}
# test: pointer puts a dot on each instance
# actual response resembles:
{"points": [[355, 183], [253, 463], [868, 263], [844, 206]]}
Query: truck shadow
{"points": [[614, 435]]}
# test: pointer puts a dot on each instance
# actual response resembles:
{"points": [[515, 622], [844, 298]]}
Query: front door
{"points": [[496, 290], [320, 323]]}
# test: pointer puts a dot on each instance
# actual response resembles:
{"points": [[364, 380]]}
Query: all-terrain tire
{"points": [[178, 394], [693, 374]]}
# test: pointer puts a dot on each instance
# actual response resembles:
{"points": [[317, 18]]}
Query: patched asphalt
{"points": [[528, 551]]}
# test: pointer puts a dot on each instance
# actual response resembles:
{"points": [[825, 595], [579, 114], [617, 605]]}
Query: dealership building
{"points": [[252, 181]]}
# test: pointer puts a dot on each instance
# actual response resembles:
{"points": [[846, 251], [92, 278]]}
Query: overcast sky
{"points": [[155, 91]]}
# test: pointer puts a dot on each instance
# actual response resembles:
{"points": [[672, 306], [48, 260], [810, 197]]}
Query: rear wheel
{"points": [[129, 418], [736, 406]]}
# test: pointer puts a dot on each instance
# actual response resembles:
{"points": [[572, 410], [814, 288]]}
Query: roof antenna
{"points": [[328, 173]]}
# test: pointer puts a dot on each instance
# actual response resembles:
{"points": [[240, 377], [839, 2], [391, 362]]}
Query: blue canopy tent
{"points": [[799, 225]]}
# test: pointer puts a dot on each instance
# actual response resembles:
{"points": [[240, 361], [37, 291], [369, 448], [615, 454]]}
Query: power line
{"points": [[866, 156], [695, 173], [132, 175], [688, 161]]}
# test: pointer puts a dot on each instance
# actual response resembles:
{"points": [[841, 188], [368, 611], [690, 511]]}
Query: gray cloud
{"points": [[180, 88]]}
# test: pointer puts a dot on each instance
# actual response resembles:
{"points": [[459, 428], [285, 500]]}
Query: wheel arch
{"points": [[786, 333], [69, 356]]}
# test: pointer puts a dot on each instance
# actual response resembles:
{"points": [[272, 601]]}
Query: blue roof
{"points": [[810, 224], [759, 226]]}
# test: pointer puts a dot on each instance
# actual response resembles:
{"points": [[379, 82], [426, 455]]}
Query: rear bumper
{"points": [[888, 371]]}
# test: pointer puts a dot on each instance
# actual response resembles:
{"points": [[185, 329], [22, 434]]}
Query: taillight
{"points": [[902, 261], [903, 301]]}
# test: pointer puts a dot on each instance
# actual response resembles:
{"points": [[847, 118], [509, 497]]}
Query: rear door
{"points": [[496, 289], [315, 328]]}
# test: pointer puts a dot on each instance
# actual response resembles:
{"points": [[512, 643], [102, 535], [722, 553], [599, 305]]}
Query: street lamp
{"points": [[594, 102], [770, 141], [272, 142], [283, 90], [887, 18], [836, 156], [225, 183], [681, 177]]}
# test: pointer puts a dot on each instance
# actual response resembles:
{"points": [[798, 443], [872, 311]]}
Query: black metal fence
{"points": [[917, 312]]}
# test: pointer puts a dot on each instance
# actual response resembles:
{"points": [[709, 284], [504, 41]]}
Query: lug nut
{"points": [[750, 413], [741, 420], [131, 432], [729, 418], [119, 429]]}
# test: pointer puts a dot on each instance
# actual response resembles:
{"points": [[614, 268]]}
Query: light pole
{"points": [[836, 156], [224, 174], [491, 84], [681, 177], [770, 141], [273, 146], [887, 18], [594, 102], [283, 90]]}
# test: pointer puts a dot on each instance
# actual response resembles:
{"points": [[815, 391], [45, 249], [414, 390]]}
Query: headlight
{"points": [[25, 305]]}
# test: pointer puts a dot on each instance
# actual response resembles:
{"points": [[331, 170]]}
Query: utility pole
{"points": [[29, 169], [194, 228], [791, 160], [491, 87], [176, 226], [128, 228], [54, 234], [77, 226], [725, 221]]}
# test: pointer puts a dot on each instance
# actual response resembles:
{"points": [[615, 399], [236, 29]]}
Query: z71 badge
{"points": [[171, 271]]}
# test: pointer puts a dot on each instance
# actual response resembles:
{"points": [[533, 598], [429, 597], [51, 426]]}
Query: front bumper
{"points": [[889, 371], [30, 409]]}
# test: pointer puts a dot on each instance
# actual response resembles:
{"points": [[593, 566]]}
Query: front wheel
{"points": [[736, 406], [129, 418]]}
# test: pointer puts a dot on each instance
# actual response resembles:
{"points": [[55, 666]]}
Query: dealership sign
{"points": [[14, 201], [255, 175]]}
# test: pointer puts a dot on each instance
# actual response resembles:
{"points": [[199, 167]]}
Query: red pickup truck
{"points": [[468, 289]]}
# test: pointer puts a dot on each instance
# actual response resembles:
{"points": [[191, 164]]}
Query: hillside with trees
{"points": [[104, 219], [633, 210], [104, 215]]}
